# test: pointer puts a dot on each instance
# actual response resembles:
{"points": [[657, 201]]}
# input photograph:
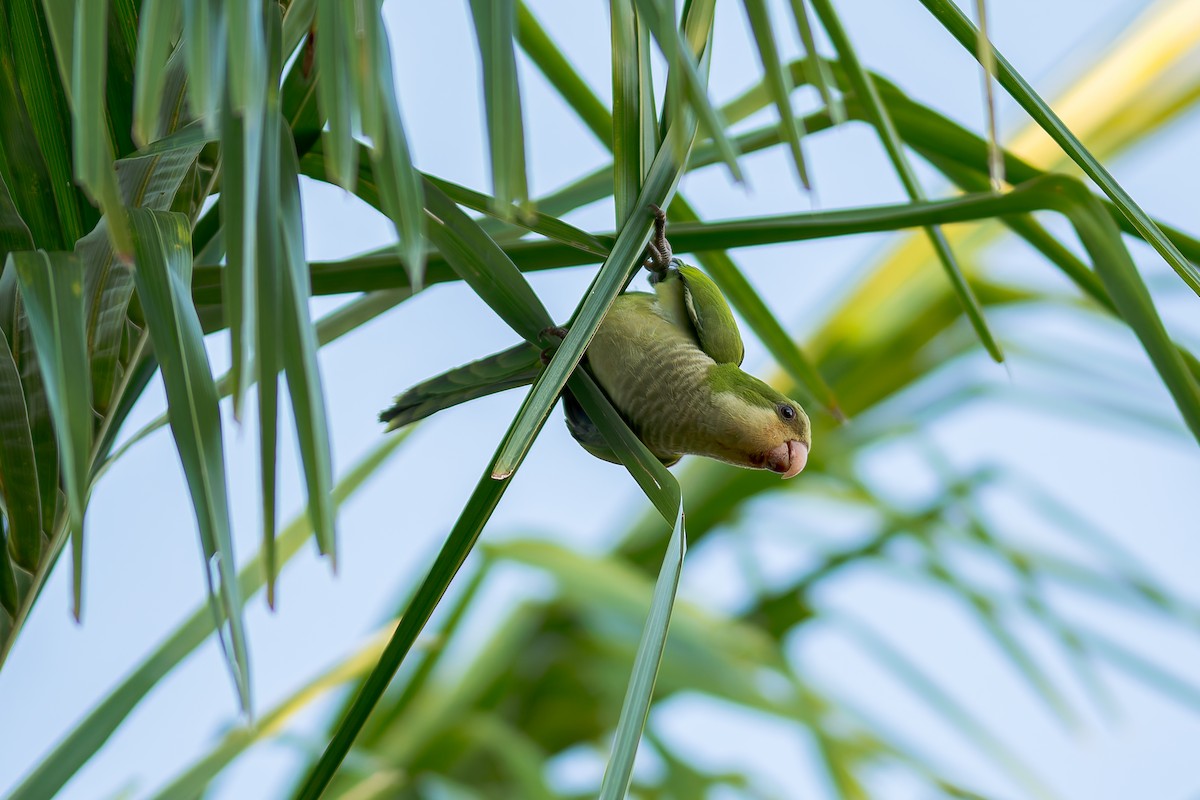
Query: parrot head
{"points": [[756, 426]]}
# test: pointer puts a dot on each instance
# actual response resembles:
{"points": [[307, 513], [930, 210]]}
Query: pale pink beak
{"points": [[788, 458]]}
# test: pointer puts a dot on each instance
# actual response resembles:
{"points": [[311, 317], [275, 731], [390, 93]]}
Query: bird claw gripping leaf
{"points": [[658, 255], [555, 335]]}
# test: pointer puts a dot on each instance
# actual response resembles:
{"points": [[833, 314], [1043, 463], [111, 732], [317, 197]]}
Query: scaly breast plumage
{"points": [[654, 373]]}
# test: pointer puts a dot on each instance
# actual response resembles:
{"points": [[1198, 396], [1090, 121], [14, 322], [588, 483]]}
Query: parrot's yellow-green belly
{"points": [[655, 374]]}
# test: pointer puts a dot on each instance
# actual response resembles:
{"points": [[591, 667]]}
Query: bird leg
{"points": [[658, 254], [554, 334]]}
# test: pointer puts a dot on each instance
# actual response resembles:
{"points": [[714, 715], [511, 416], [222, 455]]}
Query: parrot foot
{"points": [[658, 254], [552, 333]]}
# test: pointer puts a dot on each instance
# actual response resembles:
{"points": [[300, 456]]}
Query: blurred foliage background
{"points": [[155, 156]]}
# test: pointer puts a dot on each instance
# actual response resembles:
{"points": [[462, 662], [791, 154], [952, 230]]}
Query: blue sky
{"points": [[143, 569]]}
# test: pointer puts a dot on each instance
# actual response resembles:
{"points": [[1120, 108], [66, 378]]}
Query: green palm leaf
{"points": [[162, 276], [52, 294]]}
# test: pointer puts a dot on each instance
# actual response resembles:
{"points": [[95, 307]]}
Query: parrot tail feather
{"points": [[517, 366]]}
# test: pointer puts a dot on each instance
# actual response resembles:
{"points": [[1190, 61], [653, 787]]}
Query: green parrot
{"points": [[670, 363]]}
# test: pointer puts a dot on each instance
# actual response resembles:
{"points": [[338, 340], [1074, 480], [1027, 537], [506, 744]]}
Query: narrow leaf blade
{"points": [[960, 27], [93, 144], [495, 21], [163, 276], [204, 45], [1102, 239], [816, 70], [241, 158], [779, 83], [18, 470], [300, 354], [636, 706], [270, 296], [36, 130], [683, 63], [480, 262], [269, 340], [398, 182], [158, 26], [14, 233], [879, 117], [335, 89], [537, 222], [626, 120], [52, 291], [450, 558]]}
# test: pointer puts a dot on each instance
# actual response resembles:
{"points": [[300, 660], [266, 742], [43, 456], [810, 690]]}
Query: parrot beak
{"points": [[788, 458]]}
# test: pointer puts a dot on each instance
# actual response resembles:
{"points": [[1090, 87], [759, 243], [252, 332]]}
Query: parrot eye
{"points": [[787, 412]]}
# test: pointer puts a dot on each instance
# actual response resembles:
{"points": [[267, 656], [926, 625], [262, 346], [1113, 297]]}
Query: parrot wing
{"points": [[589, 436], [716, 329]]}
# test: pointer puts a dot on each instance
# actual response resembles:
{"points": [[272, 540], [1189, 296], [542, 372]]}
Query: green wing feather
{"points": [[517, 366], [716, 329], [584, 431]]}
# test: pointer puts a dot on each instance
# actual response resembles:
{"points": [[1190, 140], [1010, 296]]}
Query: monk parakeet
{"points": [[670, 363]]}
